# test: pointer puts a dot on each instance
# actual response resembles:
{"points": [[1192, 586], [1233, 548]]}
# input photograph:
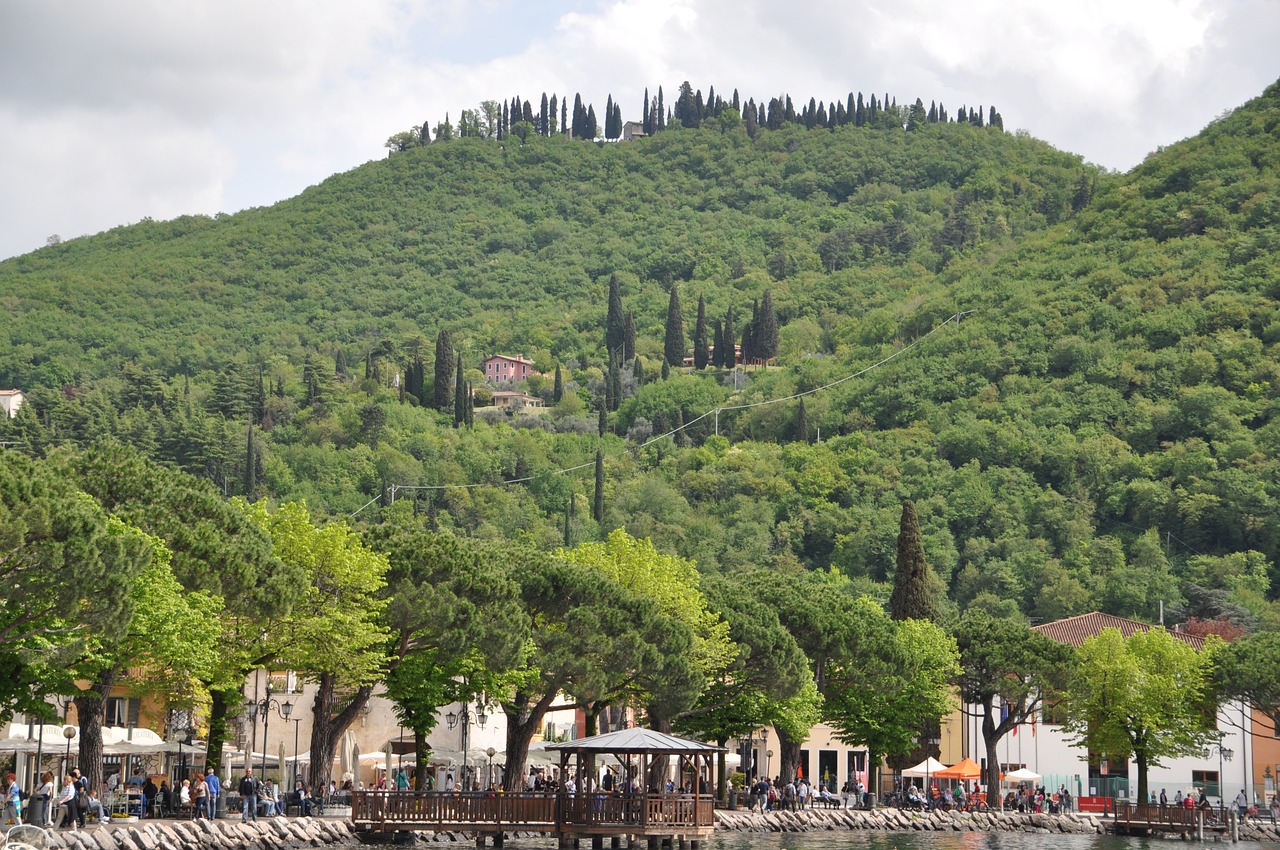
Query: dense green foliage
{"points": [[1096, 431]]}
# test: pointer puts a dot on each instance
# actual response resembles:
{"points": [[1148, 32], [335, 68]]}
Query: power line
{"points": [[716, 411]]}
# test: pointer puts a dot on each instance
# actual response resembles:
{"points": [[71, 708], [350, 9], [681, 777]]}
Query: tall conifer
{"points": [[765, 336], [597, 503], [673, 343], [443, 387], [700, 336], [459, 398], [615, 320], [912, 586], [558, 392], [729, 358], [629, 337]]}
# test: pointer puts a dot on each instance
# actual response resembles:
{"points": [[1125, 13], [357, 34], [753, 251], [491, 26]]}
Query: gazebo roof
{"points": [[634, 741]]}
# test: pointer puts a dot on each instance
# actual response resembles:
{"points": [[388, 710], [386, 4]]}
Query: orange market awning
{"points": [[967, 769]]}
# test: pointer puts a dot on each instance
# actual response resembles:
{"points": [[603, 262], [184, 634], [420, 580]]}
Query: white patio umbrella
{"points": [[1022, 775], [927, 767]]}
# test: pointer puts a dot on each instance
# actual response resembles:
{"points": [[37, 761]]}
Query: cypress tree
{"points": [[728, 358], [765, 335], [648, 127], [629, 337], [673, 344], [661, 425], [681, 436], [717, 343], [613, 390], [552, 116], [590, 128], [602, 420], [597, 504], [544, 121], [666, 369], [912, 591], [340, 363], [700, 336], [471, 405], [608, 118], [445, 361], [661, 110], [802, 424], [564, 113], [558, 392], [459, 398], [637, 370], [567, 542], [615, 321]]}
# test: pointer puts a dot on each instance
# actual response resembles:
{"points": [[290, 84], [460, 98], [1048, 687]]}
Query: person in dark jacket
{"points": [[248, 797]]}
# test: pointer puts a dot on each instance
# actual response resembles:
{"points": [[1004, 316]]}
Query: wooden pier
{"points": [[1131, 819], [655, 819]]}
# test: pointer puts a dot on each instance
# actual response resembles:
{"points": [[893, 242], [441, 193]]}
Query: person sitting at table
{"points": [[302, 798], [149, 793], [96, 812], [165, 795], [184, 794], [268, 799]]}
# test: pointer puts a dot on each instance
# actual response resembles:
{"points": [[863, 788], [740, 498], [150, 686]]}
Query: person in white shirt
{"points": [[66, 802]]}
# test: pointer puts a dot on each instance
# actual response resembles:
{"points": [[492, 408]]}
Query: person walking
{"points": [[248, 797], [215, 790], [12, 799], [199, 797]]}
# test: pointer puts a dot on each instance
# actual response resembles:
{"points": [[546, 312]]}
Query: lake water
{"points": [[952, 841]]}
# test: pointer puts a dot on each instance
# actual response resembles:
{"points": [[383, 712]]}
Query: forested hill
{"points": [[511, 245], [1098, 430]]}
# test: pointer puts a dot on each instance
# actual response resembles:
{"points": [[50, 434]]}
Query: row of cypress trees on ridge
{"points": [[520, 117]]}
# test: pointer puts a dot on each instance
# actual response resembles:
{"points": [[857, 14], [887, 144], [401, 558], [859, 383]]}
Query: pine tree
{"points": [[443, 387], [729, 359], [913, 590], [459, 398], [250, 464], [802, 424], [765, 338], [700, 336], [615, 320], [673, 343], [629, 337], [558, 392], [597, 504]]}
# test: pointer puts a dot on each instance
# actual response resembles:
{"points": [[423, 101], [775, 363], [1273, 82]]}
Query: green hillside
{"points": [[1096, 431]]}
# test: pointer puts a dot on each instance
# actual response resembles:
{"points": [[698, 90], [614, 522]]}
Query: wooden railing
{"points": [[424, 809]]}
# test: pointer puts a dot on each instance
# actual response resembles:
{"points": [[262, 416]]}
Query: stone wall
{"points": [[887, 819], [229, 834]]}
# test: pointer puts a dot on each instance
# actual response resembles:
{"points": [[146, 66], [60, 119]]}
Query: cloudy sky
{"points": [[114, 111]]}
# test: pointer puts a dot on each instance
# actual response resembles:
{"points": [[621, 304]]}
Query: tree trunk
{"points": [[1140, 758], [788, 756], [524, 719], [992, 775], [419, 746], [328, 726], [722, 789], [90, 708], [220, 703]]}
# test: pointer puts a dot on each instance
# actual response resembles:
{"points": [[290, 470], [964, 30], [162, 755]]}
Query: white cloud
{"points": [[161, 107]]}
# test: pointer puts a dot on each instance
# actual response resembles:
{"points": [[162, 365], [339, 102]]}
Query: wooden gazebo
{"points": [[638, 804]]}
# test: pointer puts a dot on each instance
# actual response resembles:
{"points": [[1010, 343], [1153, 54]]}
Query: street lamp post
{"points": [[929, 743], [184, 737], [1223, 753], [466, 718], [264, 707], [491, 752], [68, 732], [296, 722]]}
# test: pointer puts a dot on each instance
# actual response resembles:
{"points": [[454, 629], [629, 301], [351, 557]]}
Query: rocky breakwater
{"points": [[265, 834], [899, 820]]}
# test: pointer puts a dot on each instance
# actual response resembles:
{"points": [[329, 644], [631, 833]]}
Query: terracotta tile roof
{"points": [[1074, 630]]}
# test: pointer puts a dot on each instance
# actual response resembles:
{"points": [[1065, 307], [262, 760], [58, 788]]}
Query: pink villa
{"points": [[502, 368]]}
